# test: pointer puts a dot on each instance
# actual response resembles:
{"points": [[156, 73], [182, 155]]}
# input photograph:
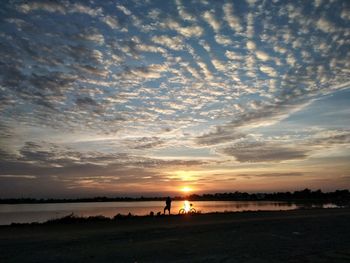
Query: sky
{"points": [[130, 98]]}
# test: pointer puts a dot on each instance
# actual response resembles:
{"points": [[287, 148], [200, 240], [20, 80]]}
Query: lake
{"points": [[27, 213]]}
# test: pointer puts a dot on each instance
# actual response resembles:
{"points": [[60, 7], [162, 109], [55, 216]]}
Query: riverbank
{"points": [[316, 235]]}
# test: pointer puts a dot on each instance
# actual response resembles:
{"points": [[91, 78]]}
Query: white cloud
{"points": [[110, 21], [209, 17], [287, 36], [268, 70], [294, 13], [207, 73], [98, 55], [272, 85], [18, 176], [251, 2], [95, 37], [223, 40], [250, 62], [174, 43], [291, 60], [345, 14], [232, 20], [56, 7], [325, 25], [189, 31], [51, 7], [254, 104], [124, 10], [150, 48], [153, 71], [154, 14], [232, 55], [251, 45], [18, 22], [323, 47], [262, 55], [317, 3], [250, 25], [205, 45], [218, 64], [79, 8], [193, 72], [183, 13], [280, 49]]}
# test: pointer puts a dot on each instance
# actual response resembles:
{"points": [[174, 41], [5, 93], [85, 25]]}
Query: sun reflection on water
{"points": [[187, 206]]}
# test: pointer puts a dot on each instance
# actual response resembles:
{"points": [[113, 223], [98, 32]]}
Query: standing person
{"points": [[167, 204]]}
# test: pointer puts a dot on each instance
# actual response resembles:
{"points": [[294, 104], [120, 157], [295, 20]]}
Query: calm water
{"points": [[27, 213]]}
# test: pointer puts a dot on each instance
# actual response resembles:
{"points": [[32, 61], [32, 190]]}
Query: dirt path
{"points": [[289, 236]]}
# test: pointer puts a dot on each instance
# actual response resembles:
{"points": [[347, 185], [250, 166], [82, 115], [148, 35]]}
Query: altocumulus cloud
{"points": [[158, 75]]}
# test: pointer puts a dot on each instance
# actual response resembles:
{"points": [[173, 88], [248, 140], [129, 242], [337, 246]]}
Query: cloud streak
{"points": [[263, 152]]}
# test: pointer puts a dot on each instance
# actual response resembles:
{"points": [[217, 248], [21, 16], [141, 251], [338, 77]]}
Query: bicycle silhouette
{"points": [[187, 209]]}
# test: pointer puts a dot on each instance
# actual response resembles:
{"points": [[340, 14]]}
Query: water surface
{"points": [[27, 213]]}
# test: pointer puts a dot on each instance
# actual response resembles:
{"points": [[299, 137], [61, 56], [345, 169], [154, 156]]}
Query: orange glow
{"points": [[186, 189]]}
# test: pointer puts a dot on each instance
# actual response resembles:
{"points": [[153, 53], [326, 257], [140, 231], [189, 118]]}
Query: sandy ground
{"points": [[288, 236]]}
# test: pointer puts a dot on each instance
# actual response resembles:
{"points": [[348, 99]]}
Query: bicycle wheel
{"points": [[193, 211], [182, 211]]}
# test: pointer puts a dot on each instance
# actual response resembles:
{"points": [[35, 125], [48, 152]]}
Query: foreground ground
{"points": [[289, 236]]}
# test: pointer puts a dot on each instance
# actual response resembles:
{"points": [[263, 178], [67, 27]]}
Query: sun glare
{"points": [[186, 189], [187, 206]]}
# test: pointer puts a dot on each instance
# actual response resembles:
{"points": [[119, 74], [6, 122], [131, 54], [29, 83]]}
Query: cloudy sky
{"points": [[148, 97]]}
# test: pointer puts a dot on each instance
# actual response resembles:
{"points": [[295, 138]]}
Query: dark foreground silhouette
{"points": [[167, 205], [317, 235]]}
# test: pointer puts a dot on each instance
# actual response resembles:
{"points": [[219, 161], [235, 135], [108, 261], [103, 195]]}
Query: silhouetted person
{"points": [[167, 204]]}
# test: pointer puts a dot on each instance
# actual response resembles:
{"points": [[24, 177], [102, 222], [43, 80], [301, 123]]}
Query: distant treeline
{"points": [[306, 195], [303, 195]]}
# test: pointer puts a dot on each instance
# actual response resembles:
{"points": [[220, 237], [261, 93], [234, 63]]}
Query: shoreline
{"points": [[305, 195], [305, 235], [74, 218]]}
